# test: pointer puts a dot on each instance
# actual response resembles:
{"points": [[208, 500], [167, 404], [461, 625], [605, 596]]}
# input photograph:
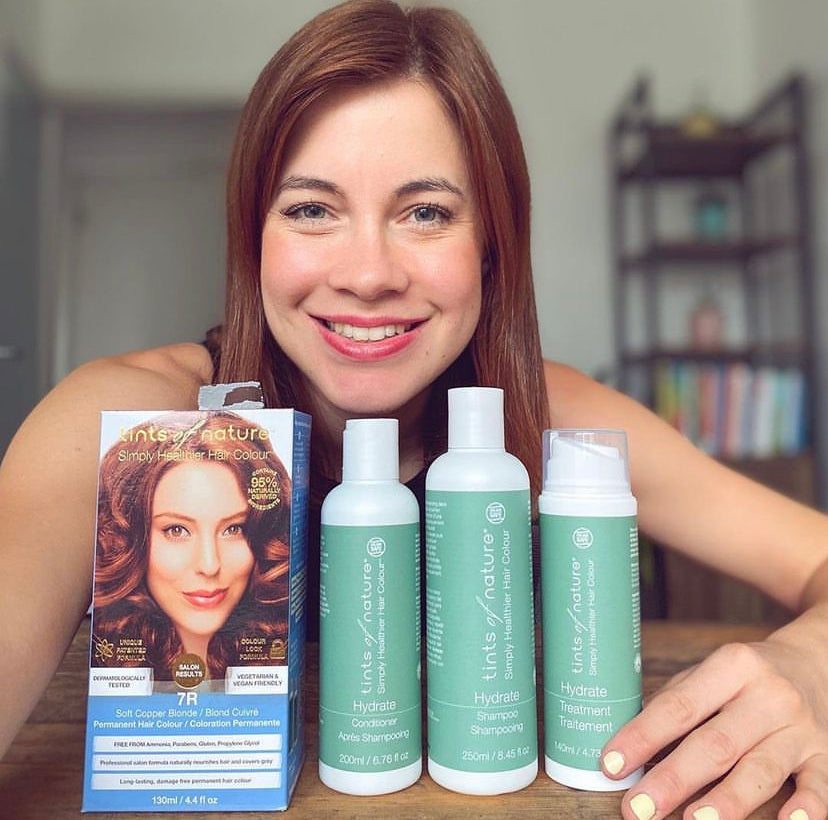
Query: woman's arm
{"points": [[749, 715], [691, 503], [48, 482]]}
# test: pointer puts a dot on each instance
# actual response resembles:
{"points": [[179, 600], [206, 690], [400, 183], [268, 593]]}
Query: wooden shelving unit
{"points": [[760, 161]]}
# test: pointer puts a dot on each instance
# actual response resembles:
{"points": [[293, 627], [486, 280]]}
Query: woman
{"points": [[378, 186], [184, 564]]}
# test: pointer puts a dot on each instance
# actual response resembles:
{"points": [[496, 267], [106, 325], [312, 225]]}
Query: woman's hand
{"points": [[753, 714]]}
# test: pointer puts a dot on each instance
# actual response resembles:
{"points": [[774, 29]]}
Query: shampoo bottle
{"points": [[482, 725], [369, 640], [590, 602]]}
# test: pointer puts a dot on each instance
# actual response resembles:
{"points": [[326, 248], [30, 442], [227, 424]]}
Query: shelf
{"points": [[751, 405], [778, 356], [667, 153], [695, 592], [791, 475], [692, 251]]}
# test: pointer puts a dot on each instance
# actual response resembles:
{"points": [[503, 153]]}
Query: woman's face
{"points": [[199, 559], [371, 251]]}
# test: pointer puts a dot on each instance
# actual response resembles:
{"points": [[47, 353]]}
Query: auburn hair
{"points": [[364, 42], [123, 605]]}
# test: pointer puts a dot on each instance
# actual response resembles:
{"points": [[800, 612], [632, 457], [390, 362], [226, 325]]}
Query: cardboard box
{"points": [[197, 649]]}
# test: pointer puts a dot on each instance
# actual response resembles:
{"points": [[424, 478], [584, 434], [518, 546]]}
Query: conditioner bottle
{"points": [[590, 602], [369, 641], [482, 726]]}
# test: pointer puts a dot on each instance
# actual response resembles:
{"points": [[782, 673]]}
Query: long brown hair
{"points": [[371, 41], [123, 605]]}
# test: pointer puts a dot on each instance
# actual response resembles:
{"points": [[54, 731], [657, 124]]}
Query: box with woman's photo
{"points": [[198, 621]]}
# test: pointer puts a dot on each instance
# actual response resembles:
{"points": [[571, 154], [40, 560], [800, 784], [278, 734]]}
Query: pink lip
{"points": [[369, 351], [206, 599]]}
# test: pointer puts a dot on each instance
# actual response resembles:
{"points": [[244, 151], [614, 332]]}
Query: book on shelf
{"points": [[734, 410]]}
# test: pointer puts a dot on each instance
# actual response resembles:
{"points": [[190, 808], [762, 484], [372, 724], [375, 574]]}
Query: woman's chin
{"points": [[377, 400]]}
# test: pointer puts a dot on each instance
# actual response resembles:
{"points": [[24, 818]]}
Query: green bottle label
{"points": [[369, 645], [480, 645], [591, 634]]}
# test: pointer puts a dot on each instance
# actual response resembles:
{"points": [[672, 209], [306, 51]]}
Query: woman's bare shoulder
{"points": [[176, 370], [165, 378], [161, 378], [557, 373], [575, 399]]}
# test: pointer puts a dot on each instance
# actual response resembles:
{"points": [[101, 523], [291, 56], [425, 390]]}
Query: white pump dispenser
{"points": [[591, 621]]}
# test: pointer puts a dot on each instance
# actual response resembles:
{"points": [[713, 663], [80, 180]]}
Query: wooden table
{"points": [[41, 775]]}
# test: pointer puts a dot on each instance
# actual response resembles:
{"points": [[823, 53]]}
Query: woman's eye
{"points": [[429, 214], [176, 531], [308, 210], [234, 530]]}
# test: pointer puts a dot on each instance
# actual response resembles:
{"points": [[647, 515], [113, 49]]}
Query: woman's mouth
{"points": [[206, 599], [359, 333], [376, 342]]}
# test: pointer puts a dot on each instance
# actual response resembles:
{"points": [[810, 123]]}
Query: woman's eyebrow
{"points": [[417, 186], [294, 183], [173, 514], [241, 513]]}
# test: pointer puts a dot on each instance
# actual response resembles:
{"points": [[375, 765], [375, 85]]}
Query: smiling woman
{"points": [[378, 181], [391, 241], [378, 253], [184, 563], [199, 559]]}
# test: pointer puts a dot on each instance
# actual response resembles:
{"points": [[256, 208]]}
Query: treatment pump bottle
{"points": [[590, 603], [370, 739], [482, 720]]}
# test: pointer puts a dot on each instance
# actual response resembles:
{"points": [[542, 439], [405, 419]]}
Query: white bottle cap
{"points": [[585, 461], [475, 418], [370, 450]]}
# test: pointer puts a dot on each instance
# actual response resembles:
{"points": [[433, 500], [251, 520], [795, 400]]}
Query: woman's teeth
{"points": [[365, 334]]}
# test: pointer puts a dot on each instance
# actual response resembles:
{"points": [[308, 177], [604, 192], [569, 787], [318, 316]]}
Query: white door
{"points": [[144, 214]]}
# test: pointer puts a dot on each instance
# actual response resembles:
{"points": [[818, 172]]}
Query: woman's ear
{"points": [[486, 267]]}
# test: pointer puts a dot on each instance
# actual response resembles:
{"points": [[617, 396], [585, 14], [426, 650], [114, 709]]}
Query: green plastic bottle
{"points": [[370, 735], [482, 724]]}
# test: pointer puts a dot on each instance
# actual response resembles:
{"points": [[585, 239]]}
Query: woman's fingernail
{"points": [[799, 814], [643, 806], [614, 762], [706, 813]]}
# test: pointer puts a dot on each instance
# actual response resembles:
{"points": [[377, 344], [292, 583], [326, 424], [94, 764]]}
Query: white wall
{"points": [[19, 245], [19, 29], [565, 64], [141, 259], [172, 51], [791, 36]]}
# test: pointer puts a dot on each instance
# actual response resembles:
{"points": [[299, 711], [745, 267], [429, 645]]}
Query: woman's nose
{"points": [[369, 268], [208, 561]]}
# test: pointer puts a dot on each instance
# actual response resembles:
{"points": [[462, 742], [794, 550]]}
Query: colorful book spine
{"points": [[734, 411]]}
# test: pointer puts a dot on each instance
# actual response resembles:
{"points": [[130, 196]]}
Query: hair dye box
{"points": [[197, 646]]}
